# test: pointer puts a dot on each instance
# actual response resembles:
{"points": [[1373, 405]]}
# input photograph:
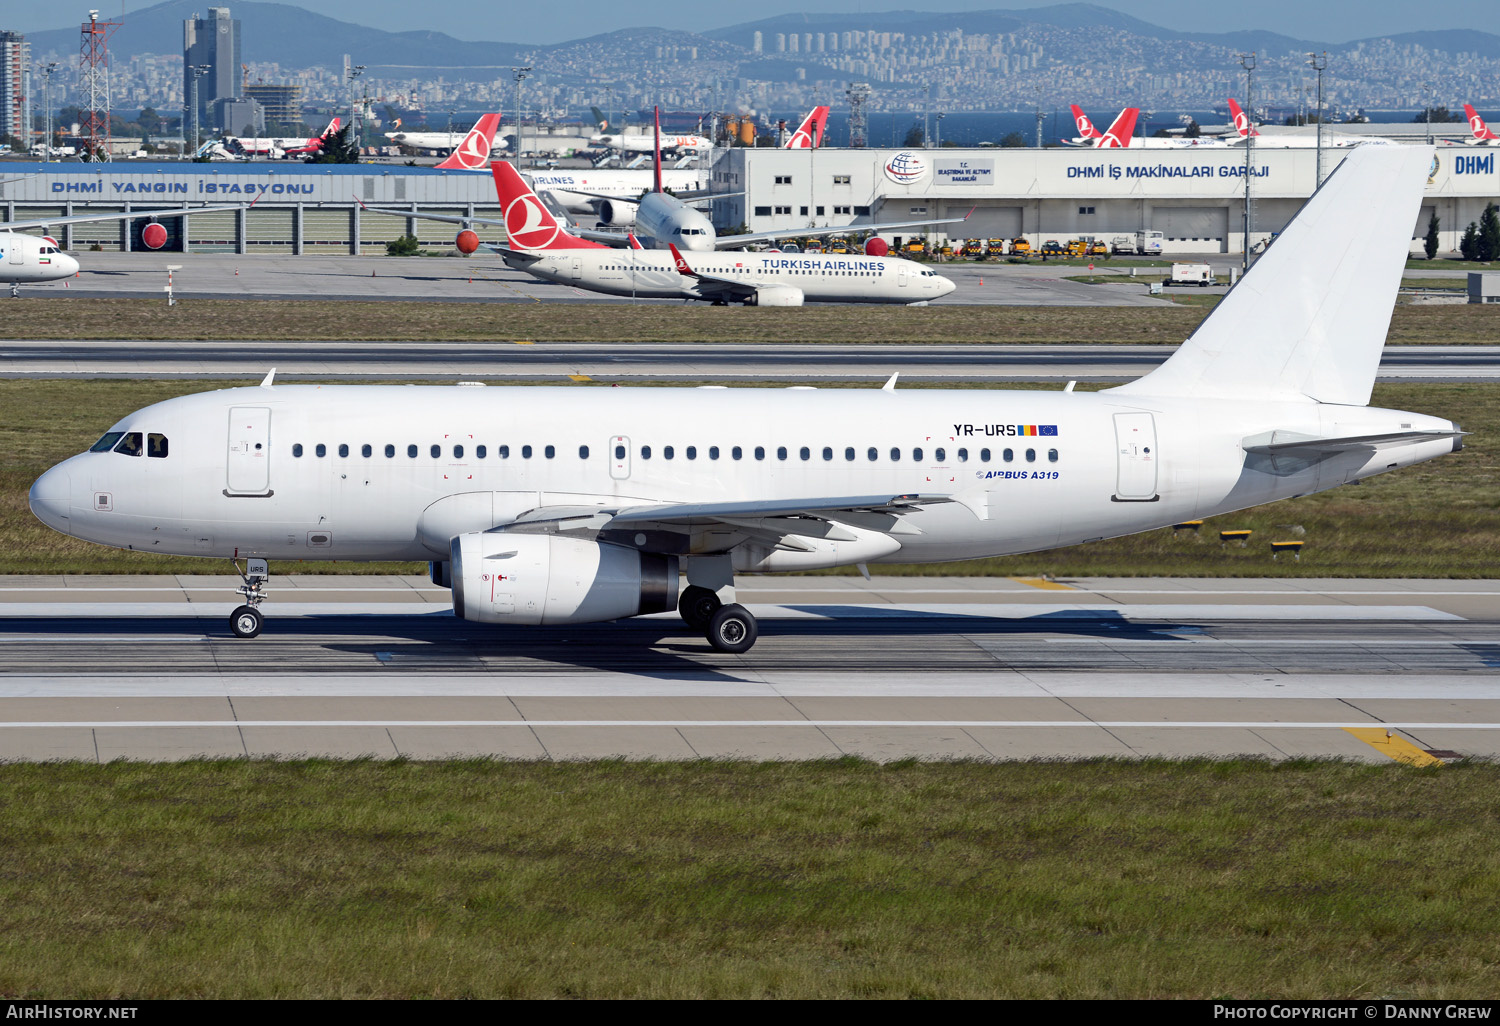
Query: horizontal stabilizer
{"points": [[1291, 443]]}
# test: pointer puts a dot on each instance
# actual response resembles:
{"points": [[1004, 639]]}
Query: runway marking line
{"points": [[1389, 745], [1043, 583], [580, 377], [1398, 748], [523, 342]]}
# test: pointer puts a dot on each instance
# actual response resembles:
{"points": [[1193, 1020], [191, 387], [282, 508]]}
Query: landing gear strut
{"points": [[708, 605], [15, 290], [247, 620]]}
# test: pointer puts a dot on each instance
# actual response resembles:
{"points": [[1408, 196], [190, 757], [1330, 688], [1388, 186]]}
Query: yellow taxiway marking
{"points": [[580, 377], [1042, 582], [1394, 745], [523, 342]]}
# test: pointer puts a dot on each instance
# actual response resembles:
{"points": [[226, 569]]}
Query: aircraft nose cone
{"points": [[948, 285], [50, 498]]}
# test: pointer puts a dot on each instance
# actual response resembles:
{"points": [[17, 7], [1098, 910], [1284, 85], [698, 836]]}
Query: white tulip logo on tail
{"points": [[1085, 126], [529, 225]]}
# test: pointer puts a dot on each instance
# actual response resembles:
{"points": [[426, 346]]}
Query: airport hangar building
{"points": [[1194, 196]]}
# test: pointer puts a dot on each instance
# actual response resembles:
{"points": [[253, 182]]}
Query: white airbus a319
{"points": [[545, 506]]}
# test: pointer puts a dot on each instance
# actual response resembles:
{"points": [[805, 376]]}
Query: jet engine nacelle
{"points": [[466, 241], [154, 235], [503, 577], [617, 213], [777, 295]]}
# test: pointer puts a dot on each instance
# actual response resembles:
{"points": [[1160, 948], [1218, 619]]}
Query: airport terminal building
{"points": [[1194, 196]]}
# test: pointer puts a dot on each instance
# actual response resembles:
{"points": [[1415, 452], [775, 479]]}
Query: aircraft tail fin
{"points": [[1482, 132], [333, 126], [1242, 124], [1309, 320], [1086, 129], [474, 152], [809, 134], [528, 224], [599, 119], [1118, 136]]}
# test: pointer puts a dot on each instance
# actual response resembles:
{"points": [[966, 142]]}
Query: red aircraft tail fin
{"points": [[474, 152], [528, 223]]}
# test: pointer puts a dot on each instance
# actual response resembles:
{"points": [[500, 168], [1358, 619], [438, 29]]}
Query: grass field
{"points": [[231, 319], [822, 880], [1434, 520]]}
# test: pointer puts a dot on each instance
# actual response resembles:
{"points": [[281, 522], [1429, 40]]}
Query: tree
{"points": [[150, 121], [406, 245], [336, 149], [1193, 130], [1468, 246], [913, 137], [1014, 140], [1440, 115], [1430, 243], [1489, 234]]}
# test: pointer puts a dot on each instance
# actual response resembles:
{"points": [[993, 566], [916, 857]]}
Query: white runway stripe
{"points": [[918, 724]]}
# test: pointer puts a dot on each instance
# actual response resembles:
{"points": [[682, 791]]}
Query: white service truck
{"points": [[1201, 275], [1144, 243]]}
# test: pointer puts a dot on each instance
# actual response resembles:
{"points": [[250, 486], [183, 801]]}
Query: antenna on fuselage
{"points": [[890, 386], [267, 383]]}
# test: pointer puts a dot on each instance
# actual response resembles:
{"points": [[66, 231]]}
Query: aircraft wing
{"points": [[449, 218], [777, 522], [47, 222], [740, 241]]}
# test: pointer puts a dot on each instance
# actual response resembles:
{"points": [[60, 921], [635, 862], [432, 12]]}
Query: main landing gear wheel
{"points": [[698, 606], [732, 629], [246, 622]]}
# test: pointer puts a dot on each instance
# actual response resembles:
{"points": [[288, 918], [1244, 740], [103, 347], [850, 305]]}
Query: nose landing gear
{"points": [[247, 620]]}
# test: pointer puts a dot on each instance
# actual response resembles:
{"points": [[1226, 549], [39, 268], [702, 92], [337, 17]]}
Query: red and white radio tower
{"points": [[93, 64]]}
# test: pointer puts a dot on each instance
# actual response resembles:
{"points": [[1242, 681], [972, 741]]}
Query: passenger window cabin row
{"points": [[670, 452]]}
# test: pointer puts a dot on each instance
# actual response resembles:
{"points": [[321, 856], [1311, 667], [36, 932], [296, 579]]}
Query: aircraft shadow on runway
{"points": [[850, 638]]}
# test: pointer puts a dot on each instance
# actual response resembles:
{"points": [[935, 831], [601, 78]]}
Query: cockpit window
{"points": [[130, 445], [156, 446], [107, 442]]}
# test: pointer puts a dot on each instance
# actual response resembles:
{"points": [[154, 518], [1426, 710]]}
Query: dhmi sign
{"points": [[964, 172], [1476, 165]]}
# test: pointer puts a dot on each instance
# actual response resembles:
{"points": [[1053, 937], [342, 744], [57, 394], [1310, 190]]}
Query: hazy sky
{"points": [[1332, 21]]}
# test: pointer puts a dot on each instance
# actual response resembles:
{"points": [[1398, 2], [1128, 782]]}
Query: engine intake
{"points": [[617, 213], [500, 577]]}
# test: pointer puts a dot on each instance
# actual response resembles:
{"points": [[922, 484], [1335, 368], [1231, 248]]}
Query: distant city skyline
{"points": [[477, 20]]}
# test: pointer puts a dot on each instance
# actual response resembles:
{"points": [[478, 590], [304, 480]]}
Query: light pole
{"points": [[1428, 87], [355, 129], [47, 89], [1247, 61], [940, 117], [520, 76], [1319, 61], [1038, 117], [199, 70]]}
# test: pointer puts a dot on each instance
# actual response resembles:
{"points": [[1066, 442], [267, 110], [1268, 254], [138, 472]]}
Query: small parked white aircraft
{"points": [[546, 506], [28, 259]]}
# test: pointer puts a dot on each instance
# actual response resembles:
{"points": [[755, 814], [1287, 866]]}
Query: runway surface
{"points": [[809, 362], [99, 668], [486, 279]]}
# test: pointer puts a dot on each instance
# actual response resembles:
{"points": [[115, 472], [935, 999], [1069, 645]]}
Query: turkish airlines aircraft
{"points": [[281, 147], [809, 134], [541, 245], [1483, 134], [567, 505], [30, 259], [449, 142], [1118, 136], [1304, 139], [473, 154], [1090, 136]]}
